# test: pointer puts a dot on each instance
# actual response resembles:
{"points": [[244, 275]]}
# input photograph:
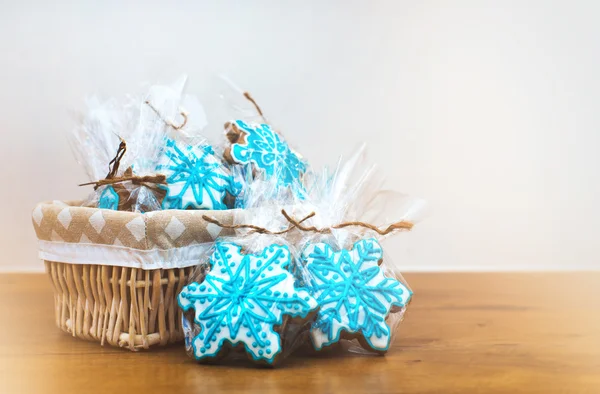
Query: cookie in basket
{"points": [[354, 296], [109, 198], [244, 303], [130, 196], [196, 177], [264, 149]]}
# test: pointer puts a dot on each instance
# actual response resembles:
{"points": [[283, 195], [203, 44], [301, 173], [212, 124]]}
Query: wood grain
{"points": [[464, 333]]}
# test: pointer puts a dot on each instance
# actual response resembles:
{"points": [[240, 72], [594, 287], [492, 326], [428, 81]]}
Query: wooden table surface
{"points": [[463, 333]]}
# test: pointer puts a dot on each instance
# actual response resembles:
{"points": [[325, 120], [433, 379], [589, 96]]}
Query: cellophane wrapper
{"points": [[161, 111], [351, 192], [265, 325], [236, 106], [362, 295], [145, 122], [96, 138]]}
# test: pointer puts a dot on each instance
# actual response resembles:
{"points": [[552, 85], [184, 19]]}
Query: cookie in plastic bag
{"points": [[244, 302]]}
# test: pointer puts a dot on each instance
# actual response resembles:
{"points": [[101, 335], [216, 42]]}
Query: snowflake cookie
{"points": [[353, 294], [242, 299], [265, 149], [109, 199], [196, 178]]}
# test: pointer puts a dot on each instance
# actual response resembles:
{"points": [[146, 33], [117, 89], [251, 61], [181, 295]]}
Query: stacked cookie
{"points": [[246, 300]]}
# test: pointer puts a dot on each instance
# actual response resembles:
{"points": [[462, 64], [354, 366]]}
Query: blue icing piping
{"points": [[196, 178], [241, 300], [269, 152], [109, 199], [352, 292]]}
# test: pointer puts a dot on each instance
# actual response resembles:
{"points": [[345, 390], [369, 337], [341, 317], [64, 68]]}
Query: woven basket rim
{"points": [[60, 204], [69, 233]]}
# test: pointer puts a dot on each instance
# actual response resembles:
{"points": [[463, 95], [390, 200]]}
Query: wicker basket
{"points": [[116, 275], [128, 307]]}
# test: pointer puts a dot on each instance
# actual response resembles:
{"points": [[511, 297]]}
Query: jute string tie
{"points": [[256, 106], [113, 167], [168, 122], [401, 225]]}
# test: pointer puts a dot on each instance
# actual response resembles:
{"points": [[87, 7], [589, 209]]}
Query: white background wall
{"points": [[487, 109]]}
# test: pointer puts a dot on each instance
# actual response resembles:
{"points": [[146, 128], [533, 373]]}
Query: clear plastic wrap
{"points": [[262, 307], [336, 263], [255, 145], [97, 146], [162, 160], [196, 176], [238, 103], [362, 296], [244, 301], [306, 266], [166, 114]]}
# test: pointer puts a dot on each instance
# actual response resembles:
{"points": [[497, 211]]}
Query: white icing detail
{"points": [[84, 239], [97, 221], [351, 315], [195, 177], [217, 294]]}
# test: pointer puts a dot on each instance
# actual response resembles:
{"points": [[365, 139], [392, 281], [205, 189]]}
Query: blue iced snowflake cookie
{"points": [[241, 299], [196, 178], [109, 199], [353, 294], [265, 149]]}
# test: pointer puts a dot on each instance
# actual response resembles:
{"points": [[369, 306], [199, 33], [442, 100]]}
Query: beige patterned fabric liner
{"points": [[60, 222]]}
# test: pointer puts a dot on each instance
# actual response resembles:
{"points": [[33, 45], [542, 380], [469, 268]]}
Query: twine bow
{"points": [[113, 167], [256, 106], [254, 228], [168, 122], [401, 225]]}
